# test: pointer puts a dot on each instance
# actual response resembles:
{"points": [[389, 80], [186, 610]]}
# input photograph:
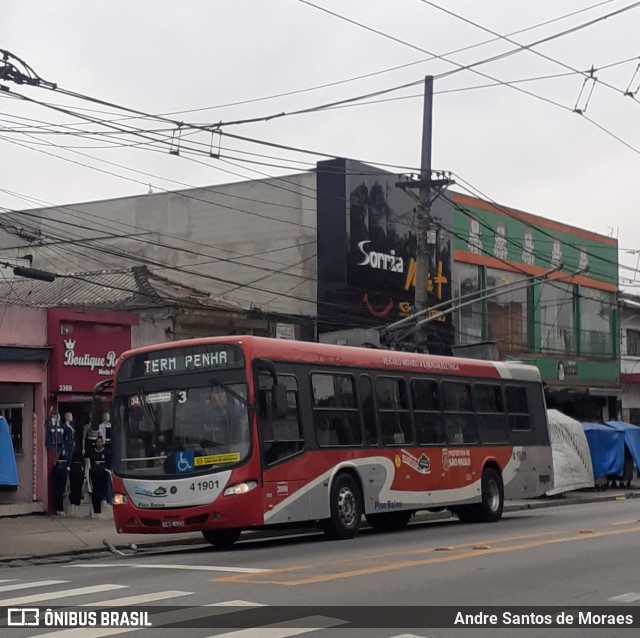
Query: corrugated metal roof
{"points": [[129, 289]]}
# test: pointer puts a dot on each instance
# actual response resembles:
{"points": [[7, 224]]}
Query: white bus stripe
{"points": [[284, 629], [165, 618], [80, 591], [37, 583], [631, 597], [203, 568], [138, 600]]}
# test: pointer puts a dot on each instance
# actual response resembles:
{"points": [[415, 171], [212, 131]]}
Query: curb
{"points": [[109, 549]]}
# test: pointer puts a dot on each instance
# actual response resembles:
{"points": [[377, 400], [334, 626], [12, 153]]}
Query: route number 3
{"points": [[182, 396]]}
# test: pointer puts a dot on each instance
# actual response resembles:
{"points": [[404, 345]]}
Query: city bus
{"points": [[224, 434]]}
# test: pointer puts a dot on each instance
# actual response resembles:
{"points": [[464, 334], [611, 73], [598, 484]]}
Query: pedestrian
{"points": [[100, 460]]}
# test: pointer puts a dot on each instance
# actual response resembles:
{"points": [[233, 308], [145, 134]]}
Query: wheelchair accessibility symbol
{"points": [[184, 461]]}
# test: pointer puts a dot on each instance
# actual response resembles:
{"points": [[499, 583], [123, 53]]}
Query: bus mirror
{"points": [[279, 393]]}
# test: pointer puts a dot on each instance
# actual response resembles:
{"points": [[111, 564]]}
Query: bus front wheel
{"points": [[221, 537], [346, 509]]}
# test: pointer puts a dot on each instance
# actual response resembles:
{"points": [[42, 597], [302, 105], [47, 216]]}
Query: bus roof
{"points": [[350, 356]]}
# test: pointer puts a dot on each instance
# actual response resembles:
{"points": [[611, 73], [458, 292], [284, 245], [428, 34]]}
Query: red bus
{"points": [[225, 434]]}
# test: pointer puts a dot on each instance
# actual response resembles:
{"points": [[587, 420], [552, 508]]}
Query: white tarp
{"points": [[572, 468]]}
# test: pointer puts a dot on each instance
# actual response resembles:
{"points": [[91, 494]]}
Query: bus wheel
{"points": [[221, 537], [389, 521], [490, 510], [346, 509]]}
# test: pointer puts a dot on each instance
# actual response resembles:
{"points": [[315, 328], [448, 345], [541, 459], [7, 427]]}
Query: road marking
{"points": [[165, 618], [126, 601], [631, 597], [284, 629], [37, 583], [80, 591], [408, 564], [197, 568]]}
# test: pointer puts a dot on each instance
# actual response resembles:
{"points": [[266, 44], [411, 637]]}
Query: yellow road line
{"points": [[408, 564]]}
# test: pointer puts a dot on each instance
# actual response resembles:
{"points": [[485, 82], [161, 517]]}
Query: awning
{"points": [[606, 392]]}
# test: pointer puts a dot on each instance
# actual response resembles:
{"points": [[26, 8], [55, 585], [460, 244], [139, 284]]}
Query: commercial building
{"points": [[334, 249]]}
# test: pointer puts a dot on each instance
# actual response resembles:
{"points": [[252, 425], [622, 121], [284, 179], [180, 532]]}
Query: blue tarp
{"points": [[607, 449], [631, 439], [8, 467]]}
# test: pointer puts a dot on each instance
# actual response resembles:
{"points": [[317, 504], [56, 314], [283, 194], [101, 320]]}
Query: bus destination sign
{"points": [[198, 358]]}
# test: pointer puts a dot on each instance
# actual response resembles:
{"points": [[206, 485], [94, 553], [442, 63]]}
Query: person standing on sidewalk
{"points": [[100, 460]]}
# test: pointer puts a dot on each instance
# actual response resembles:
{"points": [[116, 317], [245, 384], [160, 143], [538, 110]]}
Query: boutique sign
{"points": [[84, 352]]}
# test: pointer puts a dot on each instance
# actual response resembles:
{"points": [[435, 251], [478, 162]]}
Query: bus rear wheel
{"points": [[492, 505], [346, 509], [389, 521], [221, 537]]}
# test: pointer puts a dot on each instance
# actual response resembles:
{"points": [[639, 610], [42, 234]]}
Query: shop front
{"points": [[23, 387], [85, 346]]}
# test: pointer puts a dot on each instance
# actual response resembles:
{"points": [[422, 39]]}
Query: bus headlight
{"points": [[241, 488], [119, 499]]}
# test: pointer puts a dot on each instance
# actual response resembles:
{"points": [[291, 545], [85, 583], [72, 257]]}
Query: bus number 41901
{"points": [[203, 485]]}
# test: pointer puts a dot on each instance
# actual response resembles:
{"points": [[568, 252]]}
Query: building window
{"points": [[633, 343], [596, 318], [336, 417], [557, 332], [467, 281], [507, 312]]}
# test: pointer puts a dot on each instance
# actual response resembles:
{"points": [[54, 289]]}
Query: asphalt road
{"points": [[565, 557]]}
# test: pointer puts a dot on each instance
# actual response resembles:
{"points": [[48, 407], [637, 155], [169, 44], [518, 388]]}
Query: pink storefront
{"points": [[24, 356]]}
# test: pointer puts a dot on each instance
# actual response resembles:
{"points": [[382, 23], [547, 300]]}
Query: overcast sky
{"points": [[225, 57]]}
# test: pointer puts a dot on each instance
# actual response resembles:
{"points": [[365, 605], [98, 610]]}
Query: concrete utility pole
{"points": [[425, 234], [423, 253]]}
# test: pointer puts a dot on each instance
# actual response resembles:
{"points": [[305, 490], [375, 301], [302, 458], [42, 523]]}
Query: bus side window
{"points": [[336, 417], [460, 420], [368, 411], [393, 411], [517, 408], [426, 410], [281, 436], [489, 407]]}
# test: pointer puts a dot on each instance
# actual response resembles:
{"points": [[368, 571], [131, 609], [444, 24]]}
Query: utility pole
{"points": [[423, 252], [425, 234]]}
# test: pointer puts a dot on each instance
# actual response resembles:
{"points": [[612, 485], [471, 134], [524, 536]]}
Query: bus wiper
{"points": [[230, 392]]}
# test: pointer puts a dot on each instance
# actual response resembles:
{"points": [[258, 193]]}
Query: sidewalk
{"points": [[38, 537]]}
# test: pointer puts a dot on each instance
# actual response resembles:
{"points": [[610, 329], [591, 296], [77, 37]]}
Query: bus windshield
{"points": [[208, 425]]}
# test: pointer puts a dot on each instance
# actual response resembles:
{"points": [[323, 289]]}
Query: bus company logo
{"points": [[282, 489], [421, 465], [455, 458], [159, 492], [421, 363], [398, 462]]}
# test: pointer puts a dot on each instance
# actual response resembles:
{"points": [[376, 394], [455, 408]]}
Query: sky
{"points": [[207, 62]]}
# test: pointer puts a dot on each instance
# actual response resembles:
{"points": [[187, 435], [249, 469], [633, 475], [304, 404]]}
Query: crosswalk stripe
{"points": [[80, 591], [127, 601], [284, 629], [202, 568], [165, 618], [37, 583], [631, 597]]}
